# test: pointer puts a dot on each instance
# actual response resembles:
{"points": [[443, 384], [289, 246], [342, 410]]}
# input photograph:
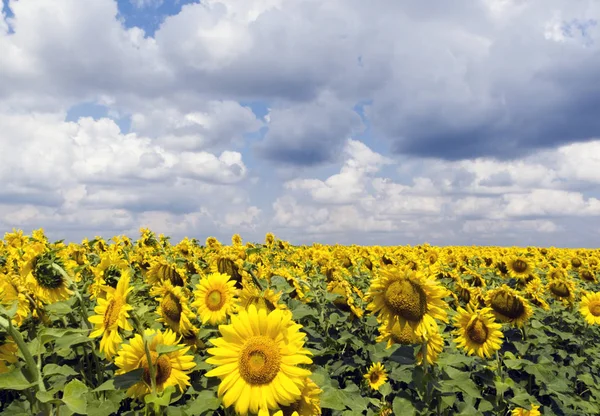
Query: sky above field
{"points": [[339, 121]]}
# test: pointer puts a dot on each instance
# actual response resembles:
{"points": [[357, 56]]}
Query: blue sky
{"points": [[387, 122]]}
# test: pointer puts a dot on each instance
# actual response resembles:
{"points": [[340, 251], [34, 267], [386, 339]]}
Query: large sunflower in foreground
{"points": [[406, 297], [376, 376], [215, 298], [477, 331], [112, 314], [590, 308], [170, 369], [508, 306], [257, 359]]}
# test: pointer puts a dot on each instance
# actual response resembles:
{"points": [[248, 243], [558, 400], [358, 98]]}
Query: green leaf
{"points": [[53, 369], [161, 399], [523, 399], [385, 389], [46, 396], [402, 406], [333, 398], [74, 396], [14, 380], [164, 349], [404, 354], [206, 401]]}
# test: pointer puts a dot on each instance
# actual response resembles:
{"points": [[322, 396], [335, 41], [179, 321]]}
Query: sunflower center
{"points": [[595, 308], [477, 331], [215, 300], [374, 377], [260, 360], [162, 368], [508, 305], [169, 273], [171, 307], [575, 262], [406, 299], [587, 275], [519, 266], [112, 312], [45, 274]]}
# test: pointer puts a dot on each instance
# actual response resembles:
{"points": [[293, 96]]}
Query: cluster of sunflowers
{"points": [[257, 350]]}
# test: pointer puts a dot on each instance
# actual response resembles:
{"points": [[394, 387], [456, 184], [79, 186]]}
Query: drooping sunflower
{"points": [[162, 269], [535, 291], [215, 298], [170, 369], [397, 335], [519, 267], [434, 346], [42, 277], [407, 297], [251, 295], [11, 291], [590, 308], [562, 288], [508, 306], [173, 307], [477, 331], [257, 359], [519, 411], [112, 314], [376, 376], [308, 405]]}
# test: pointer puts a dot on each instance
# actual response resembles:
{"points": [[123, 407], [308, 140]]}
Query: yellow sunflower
{"points": [[508, 306], [11, 291], [477, 331], [435, 345], [257, 359], [173, 307], [162, 269], [376, 376], [562, 288], [170, 369], [8, 352], [308, 405], [519, 267], [43, 279], [397, 335], [112, 314], [590, 308], [519, 411], [407, 297], [215, 298], [251, 295]]}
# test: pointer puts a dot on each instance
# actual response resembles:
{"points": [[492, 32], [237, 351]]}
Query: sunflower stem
{"points": [[32, 374]]}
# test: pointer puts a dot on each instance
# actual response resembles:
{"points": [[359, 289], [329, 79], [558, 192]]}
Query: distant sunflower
{"points": [[477, 331], [162, 270], [519, 267], [562, 288], [112, 314], [376, 376], [173, 307], [519, 411], [590, 308], [251, 295], [215, 298], [508, 306], [170, 369], [407, 297], [257, 359], [43, 279]]}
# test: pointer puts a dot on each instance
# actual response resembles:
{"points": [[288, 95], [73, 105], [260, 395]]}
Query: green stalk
{"points": [[32, 374]]}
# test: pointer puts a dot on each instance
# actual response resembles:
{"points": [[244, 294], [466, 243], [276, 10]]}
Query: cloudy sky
{"points": [[338, 121]]}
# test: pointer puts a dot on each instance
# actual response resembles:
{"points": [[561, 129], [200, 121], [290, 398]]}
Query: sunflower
{"points": [[257, 359], [251, 295], [590, 308], [434, 346], [8, 352], [170, 369], [162, 269], [376, 376], [397, 335], [173, 307], [309, 404], [215, 298], [43, 278], [112, 314], [477, 332], [508, 306], [535, 291], [562, 288], [11, 291], [519, 267], [519, 411], [407, 297]]}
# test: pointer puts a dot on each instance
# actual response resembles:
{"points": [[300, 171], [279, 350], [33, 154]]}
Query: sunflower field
{"points": [[150, 327]]}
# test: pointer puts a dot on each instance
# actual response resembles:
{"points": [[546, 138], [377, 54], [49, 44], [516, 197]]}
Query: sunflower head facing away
{"points": [[170, 369], [508, 306], [477, 331], [590, 308], [376, 376], [405, 296], [257, 358]]}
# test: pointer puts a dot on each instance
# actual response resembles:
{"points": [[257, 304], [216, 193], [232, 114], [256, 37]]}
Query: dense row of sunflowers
{"points": [[209, 328]]}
